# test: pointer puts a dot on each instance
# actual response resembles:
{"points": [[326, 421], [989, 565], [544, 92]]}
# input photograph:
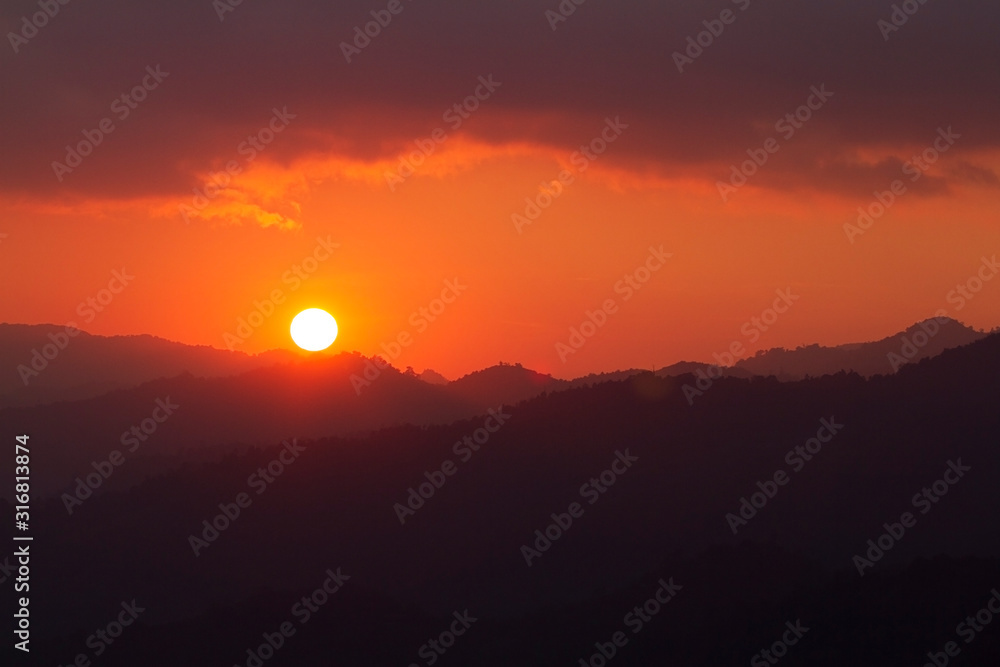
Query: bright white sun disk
{"points": [[314, 329]]}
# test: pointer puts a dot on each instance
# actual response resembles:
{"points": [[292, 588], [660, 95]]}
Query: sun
{"points": [[314, 329]]}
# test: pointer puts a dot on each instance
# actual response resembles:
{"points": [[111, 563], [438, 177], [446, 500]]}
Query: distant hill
{"points": [[86, 365], [432, 377], [867, 359], [504, 383], [673, 370], [683, 367]]}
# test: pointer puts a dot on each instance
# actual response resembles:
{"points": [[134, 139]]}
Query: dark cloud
{"points": [[970, 173], [608, 58]]}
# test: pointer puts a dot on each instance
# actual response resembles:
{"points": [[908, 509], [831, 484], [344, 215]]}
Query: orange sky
{"points": [[323, 176]]}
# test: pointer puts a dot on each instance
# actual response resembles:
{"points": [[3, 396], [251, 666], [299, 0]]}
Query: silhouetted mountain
{"points": [[316, 397], [503, 383], [693, 367], [665, 474], [85, 365], [512, 383], [47, 364], [923, 340], [432, 377]]}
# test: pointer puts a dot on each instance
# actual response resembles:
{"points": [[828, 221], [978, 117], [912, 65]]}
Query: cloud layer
{"points": [[893, 89]]}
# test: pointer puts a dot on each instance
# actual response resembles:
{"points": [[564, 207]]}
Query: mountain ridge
{"points": [[87, 365]]}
